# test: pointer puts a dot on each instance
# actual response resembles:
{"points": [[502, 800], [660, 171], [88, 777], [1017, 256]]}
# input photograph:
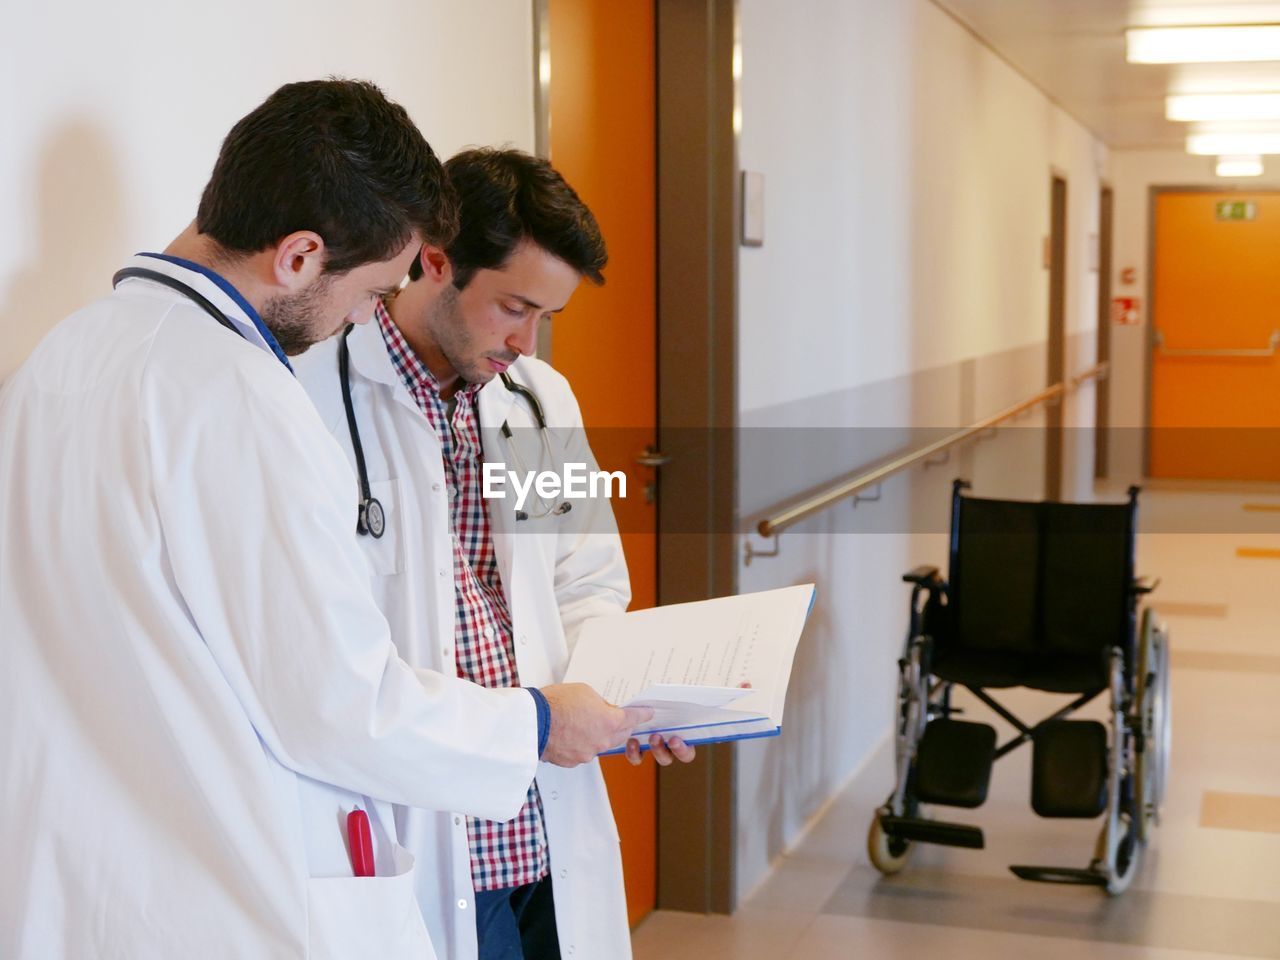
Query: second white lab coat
{"points": [[557, 572], [196, 684]]}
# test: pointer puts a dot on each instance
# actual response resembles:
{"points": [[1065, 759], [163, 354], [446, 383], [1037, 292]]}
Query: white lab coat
{"points": [[196, 684], [557, 572]]}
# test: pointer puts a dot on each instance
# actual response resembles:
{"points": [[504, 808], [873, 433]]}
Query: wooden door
{"points": [[1215, 372], [601, 111], [1056, 365]]}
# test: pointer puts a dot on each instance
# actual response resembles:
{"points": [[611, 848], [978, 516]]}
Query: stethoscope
{"points": [[371, 519], [173, 283]]}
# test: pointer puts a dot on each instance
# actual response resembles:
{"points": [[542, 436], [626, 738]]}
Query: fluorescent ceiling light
{"points": [[1233, 144], [1203, 44], [1239, 167], [1223, 106]]}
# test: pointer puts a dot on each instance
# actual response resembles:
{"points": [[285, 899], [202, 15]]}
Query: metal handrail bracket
{"points": [[1273, 345]]}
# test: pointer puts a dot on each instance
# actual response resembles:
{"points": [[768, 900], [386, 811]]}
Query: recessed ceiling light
{"points": [[1203, 44], [1233, 144], [1239, 167], [1223, 106]]}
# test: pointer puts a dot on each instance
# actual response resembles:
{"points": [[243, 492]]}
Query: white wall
{"points": [[907, 173], [114, 113], [1134, 173]]}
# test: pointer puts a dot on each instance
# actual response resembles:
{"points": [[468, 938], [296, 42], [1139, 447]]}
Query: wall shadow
{"points": [[76, 243]]}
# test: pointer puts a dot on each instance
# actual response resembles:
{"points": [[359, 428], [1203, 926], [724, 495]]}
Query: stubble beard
{"points": [[294, 320]]}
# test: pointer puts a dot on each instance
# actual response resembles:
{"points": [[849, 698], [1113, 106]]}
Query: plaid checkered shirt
{"points": [[502, 854]]}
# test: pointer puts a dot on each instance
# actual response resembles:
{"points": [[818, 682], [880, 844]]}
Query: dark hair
{"points": [[333, 156], [506, 196]]}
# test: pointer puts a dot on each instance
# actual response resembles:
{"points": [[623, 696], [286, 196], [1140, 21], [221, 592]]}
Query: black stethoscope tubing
{"points": [[370, 517], [173, 283]]}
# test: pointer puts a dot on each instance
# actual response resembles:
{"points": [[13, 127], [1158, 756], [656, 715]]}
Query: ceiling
{"points": [[1074, 51]]}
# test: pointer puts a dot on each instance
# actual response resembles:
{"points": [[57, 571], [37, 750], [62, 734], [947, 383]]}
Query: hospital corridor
{"points": [[655, 479], [1210, 886]]}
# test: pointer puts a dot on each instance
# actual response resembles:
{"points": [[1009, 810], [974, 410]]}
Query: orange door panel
{"points": [[602, 140], [1215, 409]]}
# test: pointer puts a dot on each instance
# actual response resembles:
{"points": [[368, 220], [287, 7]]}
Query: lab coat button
{"points": [[462, 904], [523, 638], [457, 821], [564, 874], [555, 795], [435, 487], [442, 572], [447, 651]]}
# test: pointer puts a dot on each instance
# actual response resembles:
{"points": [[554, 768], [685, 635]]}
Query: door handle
{"points": [[1267, 351], [651, 456]]}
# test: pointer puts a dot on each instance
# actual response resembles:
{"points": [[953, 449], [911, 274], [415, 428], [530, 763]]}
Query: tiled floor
{"points": [[1209, 886]]}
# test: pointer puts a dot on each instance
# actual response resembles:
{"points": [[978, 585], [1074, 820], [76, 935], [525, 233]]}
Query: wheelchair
{"points": [[1040, 595]]}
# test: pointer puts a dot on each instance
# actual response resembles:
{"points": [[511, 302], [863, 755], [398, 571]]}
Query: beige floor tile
{"points": [[836, 938], [1253, 812], [750, 934]]}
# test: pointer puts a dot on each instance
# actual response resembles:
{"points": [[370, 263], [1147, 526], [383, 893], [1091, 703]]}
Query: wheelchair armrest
{"points": [[924, 576], [1143, 585]]}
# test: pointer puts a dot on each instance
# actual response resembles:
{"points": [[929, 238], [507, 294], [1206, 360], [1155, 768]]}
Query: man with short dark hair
{"points": [[443, 388], [203, 719]]}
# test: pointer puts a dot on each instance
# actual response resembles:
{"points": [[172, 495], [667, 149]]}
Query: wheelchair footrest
{"points": [[934, 831], [1086, 878], [953, 762], [1069, 769]]}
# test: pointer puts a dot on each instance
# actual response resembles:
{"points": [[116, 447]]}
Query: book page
{"points": [[746, 641]]}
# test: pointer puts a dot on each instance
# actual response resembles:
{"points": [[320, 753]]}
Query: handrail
{"points": [[1098, 371], [1268, 351], [774, 525]]}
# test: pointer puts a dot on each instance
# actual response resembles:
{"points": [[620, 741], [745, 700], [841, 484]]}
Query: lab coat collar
{"points": [[370, 359], [495, 400], [218, 291], [371, 362]]}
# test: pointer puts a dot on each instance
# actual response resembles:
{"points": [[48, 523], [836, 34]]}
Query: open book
{"points": [[711, 670]]}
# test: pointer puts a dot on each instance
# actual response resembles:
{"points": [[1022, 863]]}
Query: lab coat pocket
{"points": [[386, 553], [357, 918]]}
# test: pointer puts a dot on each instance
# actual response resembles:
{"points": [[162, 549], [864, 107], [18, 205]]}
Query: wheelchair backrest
{"points": [[1045, 579]]}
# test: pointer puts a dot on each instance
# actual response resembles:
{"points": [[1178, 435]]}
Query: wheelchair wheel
{"points": [[887, 854], [1156, 723], [1128, 854], [1121, 832]]}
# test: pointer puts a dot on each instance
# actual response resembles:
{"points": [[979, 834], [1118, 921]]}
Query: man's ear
{"points": [[435, 264], [299, 260]]}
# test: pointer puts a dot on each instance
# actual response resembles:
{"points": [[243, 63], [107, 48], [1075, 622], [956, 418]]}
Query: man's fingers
{"points": [[658, 747], [637, 715], [683, 752], [634, 756]]}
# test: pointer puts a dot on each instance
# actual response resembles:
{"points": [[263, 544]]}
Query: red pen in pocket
{"points": [[360, 841]]}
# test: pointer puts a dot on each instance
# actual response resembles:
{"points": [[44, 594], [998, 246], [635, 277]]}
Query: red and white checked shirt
{"points": [[502, 854]]}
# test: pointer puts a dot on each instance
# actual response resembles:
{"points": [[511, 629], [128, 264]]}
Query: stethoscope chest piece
{"points": [[372, 520]]}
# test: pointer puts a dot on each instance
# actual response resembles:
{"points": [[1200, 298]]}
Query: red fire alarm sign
{"points": [[1124, 311]]}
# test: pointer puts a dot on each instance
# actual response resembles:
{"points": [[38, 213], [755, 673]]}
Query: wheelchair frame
{"points": [[1139, 740]]}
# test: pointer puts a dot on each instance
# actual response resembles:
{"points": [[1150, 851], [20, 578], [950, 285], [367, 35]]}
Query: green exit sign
{"points": [[1237, 210]]}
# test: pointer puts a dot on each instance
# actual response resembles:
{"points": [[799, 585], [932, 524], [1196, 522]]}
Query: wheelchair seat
{"points": [[1060, 673]]}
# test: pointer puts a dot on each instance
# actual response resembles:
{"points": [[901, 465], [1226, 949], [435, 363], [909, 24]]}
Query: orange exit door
{"points": [[1215, 366], [602, 138]]}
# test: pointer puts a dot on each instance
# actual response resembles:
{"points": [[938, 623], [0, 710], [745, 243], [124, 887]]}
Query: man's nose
{"points": [[361, 314], [525, 340]]}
